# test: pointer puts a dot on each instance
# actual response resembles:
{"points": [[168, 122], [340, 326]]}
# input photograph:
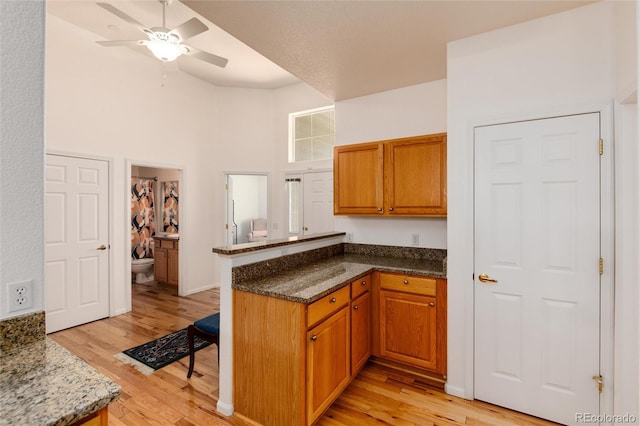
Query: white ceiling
{"points": [[344, 49]]}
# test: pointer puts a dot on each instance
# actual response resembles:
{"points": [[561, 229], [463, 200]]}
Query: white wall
{"points": [[564, 63], [410, 111], [21, 150]]}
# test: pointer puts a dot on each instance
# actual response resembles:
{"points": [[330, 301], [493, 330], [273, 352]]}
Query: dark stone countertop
{"points": [[315, 280], [267, 244]]}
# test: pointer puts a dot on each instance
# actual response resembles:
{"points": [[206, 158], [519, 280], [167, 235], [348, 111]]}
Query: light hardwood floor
{"points": [[378, 396]]}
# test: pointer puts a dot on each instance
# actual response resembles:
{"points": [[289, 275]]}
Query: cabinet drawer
{"points": [[408, 284], [360, 286], [327, 305], [167, 244]]}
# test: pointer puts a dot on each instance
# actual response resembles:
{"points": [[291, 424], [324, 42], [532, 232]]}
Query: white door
{"points": [[76, 241], [537, 233], [318, 202]]}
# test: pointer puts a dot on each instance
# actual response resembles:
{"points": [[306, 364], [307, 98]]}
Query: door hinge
{"points": [[226, 226], [598, 380], [226, 185], [601, 266], [601, 147]]}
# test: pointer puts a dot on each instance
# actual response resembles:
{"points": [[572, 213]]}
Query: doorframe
{"points": [[110, 212], [297, 173], [607, 244], [184, 225], [225, 179]]}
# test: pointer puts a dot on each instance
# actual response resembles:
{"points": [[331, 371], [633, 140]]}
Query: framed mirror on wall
{"points": [[247, 207]]}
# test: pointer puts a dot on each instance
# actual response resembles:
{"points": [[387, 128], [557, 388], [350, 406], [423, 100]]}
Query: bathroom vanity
{"points": [[166, 259]]}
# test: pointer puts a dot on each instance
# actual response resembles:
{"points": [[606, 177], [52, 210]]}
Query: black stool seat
{"points": [[207, 328]]}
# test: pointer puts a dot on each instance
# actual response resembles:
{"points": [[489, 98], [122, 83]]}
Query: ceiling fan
{"points": [[165, 44]]}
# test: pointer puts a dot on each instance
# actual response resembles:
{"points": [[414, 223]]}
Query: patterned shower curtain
{"points": [[170, 207], [142, 227]]}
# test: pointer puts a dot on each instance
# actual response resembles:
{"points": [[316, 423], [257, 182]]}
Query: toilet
{"points": [[143, 268]]}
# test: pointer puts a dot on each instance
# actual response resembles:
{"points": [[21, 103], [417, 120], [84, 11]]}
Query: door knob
{"points": [[102, 247], [484, 278]]}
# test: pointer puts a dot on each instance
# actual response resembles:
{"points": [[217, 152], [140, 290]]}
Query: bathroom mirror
{"points": [[247, 207]]}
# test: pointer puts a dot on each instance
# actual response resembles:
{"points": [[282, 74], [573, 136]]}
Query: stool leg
{"points": [[191, 335]]}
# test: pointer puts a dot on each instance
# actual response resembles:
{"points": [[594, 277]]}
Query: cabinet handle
{"points": [[390, 209], [405, 282], [363, 283], [314, 337], [379, 209], [432, 304], [333, 300], [355, 307]]}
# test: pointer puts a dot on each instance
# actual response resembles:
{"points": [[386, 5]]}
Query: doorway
{"points": [[537, 237], [247, 204], [155, 209], [310, 202]]}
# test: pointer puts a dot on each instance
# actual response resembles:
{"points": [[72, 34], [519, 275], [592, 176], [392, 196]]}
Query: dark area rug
{"points": [[165, 350]]}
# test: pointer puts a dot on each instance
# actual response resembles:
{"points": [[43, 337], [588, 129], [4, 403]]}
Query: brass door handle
{"points": [[484, 278], [102, 247]]}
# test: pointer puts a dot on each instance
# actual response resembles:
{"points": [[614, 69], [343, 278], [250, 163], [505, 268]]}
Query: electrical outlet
{"points": [[20, 296], [415, 239]]}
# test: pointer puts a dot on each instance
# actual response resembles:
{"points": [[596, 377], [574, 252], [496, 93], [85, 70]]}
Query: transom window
{"points": [[311, 135]]}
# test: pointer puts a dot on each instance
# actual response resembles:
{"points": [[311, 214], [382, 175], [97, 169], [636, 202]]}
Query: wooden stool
{"points": [[207, 328]]}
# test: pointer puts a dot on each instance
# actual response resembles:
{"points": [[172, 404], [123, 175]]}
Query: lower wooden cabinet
{"points": [[360, 332], [412, 321], [165, 260], [98, 418], [408, 328], [328, 362], [291, 360]]}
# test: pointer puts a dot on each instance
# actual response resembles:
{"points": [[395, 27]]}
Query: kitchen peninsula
{"points": [[306, 314]]}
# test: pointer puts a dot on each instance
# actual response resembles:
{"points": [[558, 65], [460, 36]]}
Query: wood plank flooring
{"points": [[378, 396]]}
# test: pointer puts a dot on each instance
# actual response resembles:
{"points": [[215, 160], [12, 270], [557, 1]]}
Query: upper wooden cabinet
{"points": [[397, 177]]}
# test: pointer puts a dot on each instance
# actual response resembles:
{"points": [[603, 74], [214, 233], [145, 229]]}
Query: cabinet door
{"points": [[358, 179], [416, 176], [408, 331], [160, 265], [360, 332], [172, 266], [328, 362]]}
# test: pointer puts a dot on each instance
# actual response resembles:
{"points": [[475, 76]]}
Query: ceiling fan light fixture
{"points": [[164, 46]]}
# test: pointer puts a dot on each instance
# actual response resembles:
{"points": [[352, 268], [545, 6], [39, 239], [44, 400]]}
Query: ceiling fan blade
{"points": [[189, 29], [205, 56], [130, 43], [123, 16]]}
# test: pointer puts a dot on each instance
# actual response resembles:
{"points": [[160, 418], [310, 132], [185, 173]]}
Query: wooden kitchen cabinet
{"points": [[360, 332], [98, 418], [165, 260], [328, 362], [412, 321], [397, 177], [291, 360], [360, 323], [358, 179]]}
